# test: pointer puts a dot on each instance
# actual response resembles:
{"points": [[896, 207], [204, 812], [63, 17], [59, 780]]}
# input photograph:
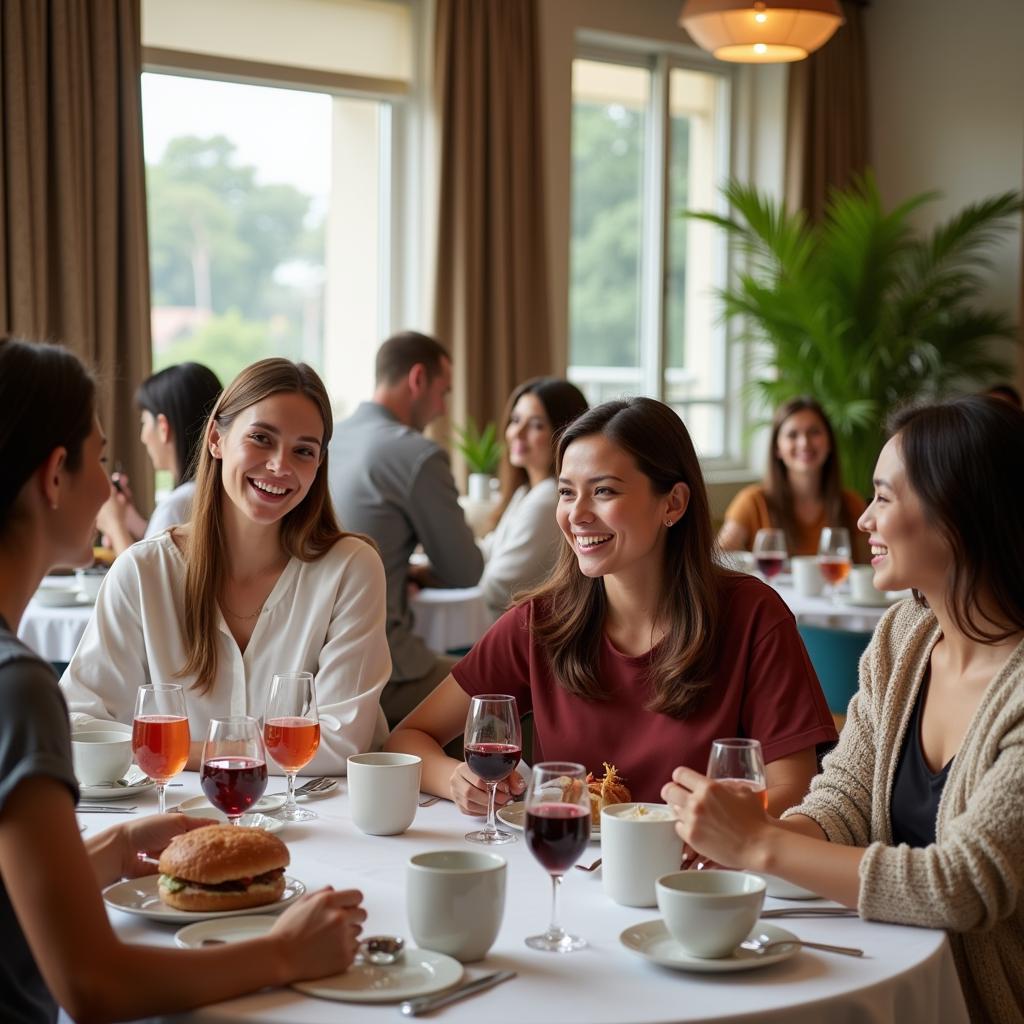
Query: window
{"points": [[650, 139]]}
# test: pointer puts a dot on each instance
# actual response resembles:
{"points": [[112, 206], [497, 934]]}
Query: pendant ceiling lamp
{"points": [[761, 31]]}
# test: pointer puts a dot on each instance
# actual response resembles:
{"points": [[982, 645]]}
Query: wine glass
{"points": [[160, 736], [492, 744], [234, 771], [770, 553], [834, 556], [557, 832], [291, 731]]}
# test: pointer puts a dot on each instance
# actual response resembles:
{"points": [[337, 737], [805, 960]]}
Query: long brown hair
{"points": [[562, 403], [308, 531], [570, 608], [965, 460], [777, 490]]}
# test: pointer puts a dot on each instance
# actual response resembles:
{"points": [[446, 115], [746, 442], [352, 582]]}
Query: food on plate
{"points": [[222, 867], [606, 791]]}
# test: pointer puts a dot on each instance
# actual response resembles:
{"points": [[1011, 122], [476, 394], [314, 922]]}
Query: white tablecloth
{"points": [[822, 611], [906, 977]]}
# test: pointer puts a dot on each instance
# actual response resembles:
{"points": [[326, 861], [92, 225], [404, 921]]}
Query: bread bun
{"points": [[191, 898]]}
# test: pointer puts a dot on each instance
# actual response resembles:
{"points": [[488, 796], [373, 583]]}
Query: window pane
{"points": [[706, 424], [608, 133]]}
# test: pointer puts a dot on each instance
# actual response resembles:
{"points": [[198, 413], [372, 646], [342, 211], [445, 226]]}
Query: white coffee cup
{"points": [[862, 585], [807, 580], [709, 913], [455, 900], [383, 790], [639, 844], [100, 757]]}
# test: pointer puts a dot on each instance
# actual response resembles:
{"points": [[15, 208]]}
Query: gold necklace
{"points": [[238, 615]]}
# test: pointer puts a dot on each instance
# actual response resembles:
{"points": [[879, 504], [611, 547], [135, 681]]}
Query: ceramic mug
{"points": [[639, 844], [807, 579], [100, 757], [862, 586], [383, 791], [455, 900]]}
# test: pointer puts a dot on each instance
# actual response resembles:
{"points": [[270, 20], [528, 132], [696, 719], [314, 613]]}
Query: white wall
{"points": [[947, 113]]}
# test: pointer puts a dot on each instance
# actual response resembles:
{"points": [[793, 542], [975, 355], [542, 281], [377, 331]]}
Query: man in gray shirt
{"points": [[390, 482]]}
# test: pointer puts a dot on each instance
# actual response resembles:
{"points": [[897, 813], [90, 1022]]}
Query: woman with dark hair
{"points": [[917, 817], [639, 649], [802, 490], [174, 405], [58, 944], [520, 551], [260, 580]]}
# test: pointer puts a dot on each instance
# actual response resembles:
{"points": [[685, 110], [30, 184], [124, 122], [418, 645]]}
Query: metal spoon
{"points": [[382, 950], [765, 944]]}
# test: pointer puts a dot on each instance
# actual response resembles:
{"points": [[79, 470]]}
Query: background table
{"points": [[907, 974]]}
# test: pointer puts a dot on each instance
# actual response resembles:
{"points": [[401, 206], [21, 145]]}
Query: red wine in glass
{"points": [[492, 762], [557, 834], [233, 784], [770, 565]]}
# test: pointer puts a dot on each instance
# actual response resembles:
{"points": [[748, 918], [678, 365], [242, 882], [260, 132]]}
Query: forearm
{"points": [[829, 869], [784, 796], [106, 854], [437, 768]]}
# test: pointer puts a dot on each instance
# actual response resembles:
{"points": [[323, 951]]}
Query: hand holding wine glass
{"points": [[557, 832], [291, 731], [493, 745], [834, 557], [160, 734], [234, 771], [770, 553]]}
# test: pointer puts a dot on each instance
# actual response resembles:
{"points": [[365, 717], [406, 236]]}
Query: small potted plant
{"points": [[482, 451]]}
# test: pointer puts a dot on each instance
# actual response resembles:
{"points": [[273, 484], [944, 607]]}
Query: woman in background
{"points": [[521, 549], [58, 944], [261, 580], [174, 405], [917, 817], [802, 490]]}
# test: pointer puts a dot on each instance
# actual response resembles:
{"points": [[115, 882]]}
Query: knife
{"points": [[84, 808], [810, 912], [414, 1007]]}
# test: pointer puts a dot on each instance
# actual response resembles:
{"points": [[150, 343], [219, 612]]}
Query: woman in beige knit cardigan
{"points": [[918, 815]]}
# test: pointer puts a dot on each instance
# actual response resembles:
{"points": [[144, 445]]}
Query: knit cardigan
{"points": [[969, 881]]}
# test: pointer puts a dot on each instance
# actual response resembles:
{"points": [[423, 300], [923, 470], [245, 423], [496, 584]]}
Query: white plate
{"points": [[783, 890], [652, 941], [57, 597], [231, 929], [514, 815], [133, 782], [250, 820], [139, 896], [265, 805], [419, 973], [882, 601]]}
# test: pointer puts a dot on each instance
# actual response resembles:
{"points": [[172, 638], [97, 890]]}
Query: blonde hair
{"points": [[307, 532]]}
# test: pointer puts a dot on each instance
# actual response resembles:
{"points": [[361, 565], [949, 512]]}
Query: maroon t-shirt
{"points": [[764, 687]]}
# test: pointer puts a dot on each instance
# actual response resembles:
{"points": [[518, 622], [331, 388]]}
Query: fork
{"points": [[316, 785]]}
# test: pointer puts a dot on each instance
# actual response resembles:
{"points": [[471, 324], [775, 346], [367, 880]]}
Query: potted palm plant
{"points": [[860, 311], [482, 451]]}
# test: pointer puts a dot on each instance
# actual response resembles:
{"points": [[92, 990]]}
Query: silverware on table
{"points": [[86, 808], [765, 944], [810, 912], [429, 802], [589, 867], [414, 1007]]}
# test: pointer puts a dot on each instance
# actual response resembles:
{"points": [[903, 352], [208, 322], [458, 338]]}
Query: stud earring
{"points": [[668, 523]]}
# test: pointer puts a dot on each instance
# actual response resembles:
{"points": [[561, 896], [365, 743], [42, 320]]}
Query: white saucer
{"points": [[514, 815], [57, 597], [265, 805], [139, 896], [249, 820], [652, 941], [230, 929], [133, 782], [419, 973]]}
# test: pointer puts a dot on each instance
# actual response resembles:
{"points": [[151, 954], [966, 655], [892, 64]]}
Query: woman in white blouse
{"points": [[260, 581], [520, 551], [174, 405]]}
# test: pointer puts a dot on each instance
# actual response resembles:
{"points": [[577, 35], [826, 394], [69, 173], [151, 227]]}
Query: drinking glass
{"points": [[770, 553], [493, 744], [160, 736], [234, 772], [834, 557], [557, 832], [291, 731]]}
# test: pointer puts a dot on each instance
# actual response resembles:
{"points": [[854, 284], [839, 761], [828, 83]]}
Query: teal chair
{"points": [[835, 654]]}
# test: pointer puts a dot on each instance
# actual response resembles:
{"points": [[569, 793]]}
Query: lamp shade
{"points": [[761, 31]]}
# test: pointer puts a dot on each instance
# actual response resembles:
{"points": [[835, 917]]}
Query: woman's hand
{"points": [[469, 791], [147, 837], [319, 934], [721, 821]]}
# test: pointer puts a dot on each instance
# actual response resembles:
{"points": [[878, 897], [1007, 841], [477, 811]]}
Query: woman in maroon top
{"points": [[639, 649]]}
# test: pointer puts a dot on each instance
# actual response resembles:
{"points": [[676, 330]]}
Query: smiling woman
{"points": [[261, 580]]}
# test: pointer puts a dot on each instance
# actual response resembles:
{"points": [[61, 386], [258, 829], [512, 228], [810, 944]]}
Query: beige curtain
{"points": [[827, 122], [491, 297], [73, 246]]}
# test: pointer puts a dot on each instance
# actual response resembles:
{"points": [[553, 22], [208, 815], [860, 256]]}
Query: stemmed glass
{"points": [[492, 744], [160, 736], [234, 771], [557, 831], [770, 553], [291, 731], [834, 556]]}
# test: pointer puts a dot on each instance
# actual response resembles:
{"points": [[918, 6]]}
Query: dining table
{"points": [[906, 973]]}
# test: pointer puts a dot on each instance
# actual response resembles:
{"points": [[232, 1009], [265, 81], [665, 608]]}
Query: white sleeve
{"points": [[354, 665], [527, 548], [172, 511]]}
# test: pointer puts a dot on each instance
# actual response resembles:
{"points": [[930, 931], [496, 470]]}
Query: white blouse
{"points": [[521, 550], [174, 509], [324, 617]]}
